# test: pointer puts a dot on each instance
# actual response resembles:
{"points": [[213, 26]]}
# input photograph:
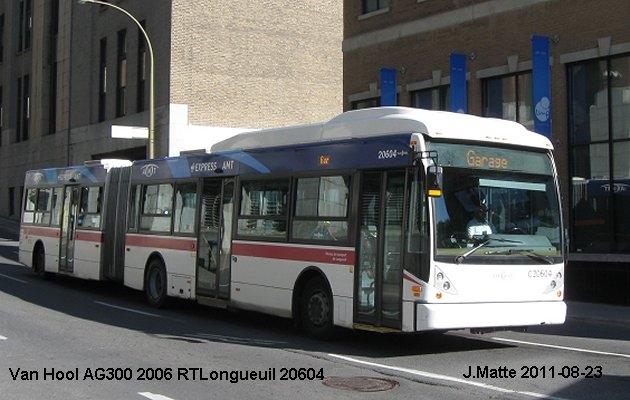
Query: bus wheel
{"points": [[39, 262], [316, 309], [155, 284]]}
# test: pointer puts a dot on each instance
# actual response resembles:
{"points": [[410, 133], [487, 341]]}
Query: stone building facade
{"points": [[70, 71], [589, 46]]}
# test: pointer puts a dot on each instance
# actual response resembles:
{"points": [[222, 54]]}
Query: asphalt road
{"points": [[72, 339]]}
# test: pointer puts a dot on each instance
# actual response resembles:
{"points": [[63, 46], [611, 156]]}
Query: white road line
{"points": [[128, 309], [13, 279], [553, 346], [3, 337], [447, 378], [154, 396]]}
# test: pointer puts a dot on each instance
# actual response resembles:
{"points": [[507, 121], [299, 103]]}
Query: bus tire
{"points": [[155, 284], [317, 309], [39, 262]]}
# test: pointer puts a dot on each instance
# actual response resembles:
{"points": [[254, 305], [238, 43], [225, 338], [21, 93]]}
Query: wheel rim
{"points": [[318, 308]]}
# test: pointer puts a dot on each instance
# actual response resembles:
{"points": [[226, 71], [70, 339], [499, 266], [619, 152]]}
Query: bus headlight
{"points": [[442, 282]]}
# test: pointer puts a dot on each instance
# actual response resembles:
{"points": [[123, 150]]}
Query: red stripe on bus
{"points": [[295, 253], [161, 242], [89, 236], [40, 231]]}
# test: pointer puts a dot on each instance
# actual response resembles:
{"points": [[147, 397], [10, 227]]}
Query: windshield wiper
{"points": [[528, 252], [460, 258]]}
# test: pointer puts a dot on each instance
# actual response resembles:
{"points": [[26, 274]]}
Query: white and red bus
{"points": [[360, 222]]}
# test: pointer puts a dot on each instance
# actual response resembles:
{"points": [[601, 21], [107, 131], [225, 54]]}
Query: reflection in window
{"points": [[437, 98], [263, 208], [38, 205], [90, 207], [321, 208], [157, 206], [185, 206], [510, 97], [599, 123]]}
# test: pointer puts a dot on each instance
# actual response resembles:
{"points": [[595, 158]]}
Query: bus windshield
{"points": [[499, 206]]}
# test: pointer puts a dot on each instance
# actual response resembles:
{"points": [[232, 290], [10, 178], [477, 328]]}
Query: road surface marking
{"points": [[13, 279], [432, 375], [553, 346], [128, 309], [154, 396], [3, 337]]}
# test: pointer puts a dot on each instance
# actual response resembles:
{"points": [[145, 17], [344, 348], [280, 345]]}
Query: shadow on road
{"points": [[113, 304]]}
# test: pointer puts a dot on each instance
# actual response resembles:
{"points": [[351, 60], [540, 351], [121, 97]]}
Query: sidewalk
{"points": [[9, 229], [578, 311]]}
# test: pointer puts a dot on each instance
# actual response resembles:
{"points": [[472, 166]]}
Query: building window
{"points": [[25, 24], [52, 82], [365, 103], [1, 114], [11, 201], [374, 5], [599, 137], [1, 38], [510, 97], [121, 79], [437, 98], [142, 70], [102, 80], [23, 108]]}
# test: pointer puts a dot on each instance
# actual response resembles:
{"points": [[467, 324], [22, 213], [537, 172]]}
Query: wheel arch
{"points": [[39, 244], [152, 257], [305, 276]]}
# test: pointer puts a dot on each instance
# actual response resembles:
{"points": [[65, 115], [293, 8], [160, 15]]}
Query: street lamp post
{"points": [[151, 71]]}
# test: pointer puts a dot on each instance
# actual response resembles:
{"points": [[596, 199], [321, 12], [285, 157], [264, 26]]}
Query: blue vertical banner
{"points": [[459, 92], [541, 76], [389, 95]]}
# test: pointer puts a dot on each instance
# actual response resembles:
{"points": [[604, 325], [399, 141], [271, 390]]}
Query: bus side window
{"points": [[157, 202], [29, 206], [321, 208], [134, 206], [185, 207]]}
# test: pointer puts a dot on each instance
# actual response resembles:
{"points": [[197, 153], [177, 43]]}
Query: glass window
{"points": [[510, 97], [38, 205], [599, 123], [134, 206], [31, 200], [42, 208], [619, 78], [437, 98], [374, 5], [512, 211], [366, 103], [185, 207], [263, 208], [157, 204], [56, 206], [321, 208], [90, 207]]}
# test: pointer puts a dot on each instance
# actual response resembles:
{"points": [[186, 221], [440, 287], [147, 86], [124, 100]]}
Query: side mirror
{"points": [[434, 181]]}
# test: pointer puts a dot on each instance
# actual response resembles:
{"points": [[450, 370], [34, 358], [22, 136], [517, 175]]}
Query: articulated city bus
{"points": [[390, 219]]}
